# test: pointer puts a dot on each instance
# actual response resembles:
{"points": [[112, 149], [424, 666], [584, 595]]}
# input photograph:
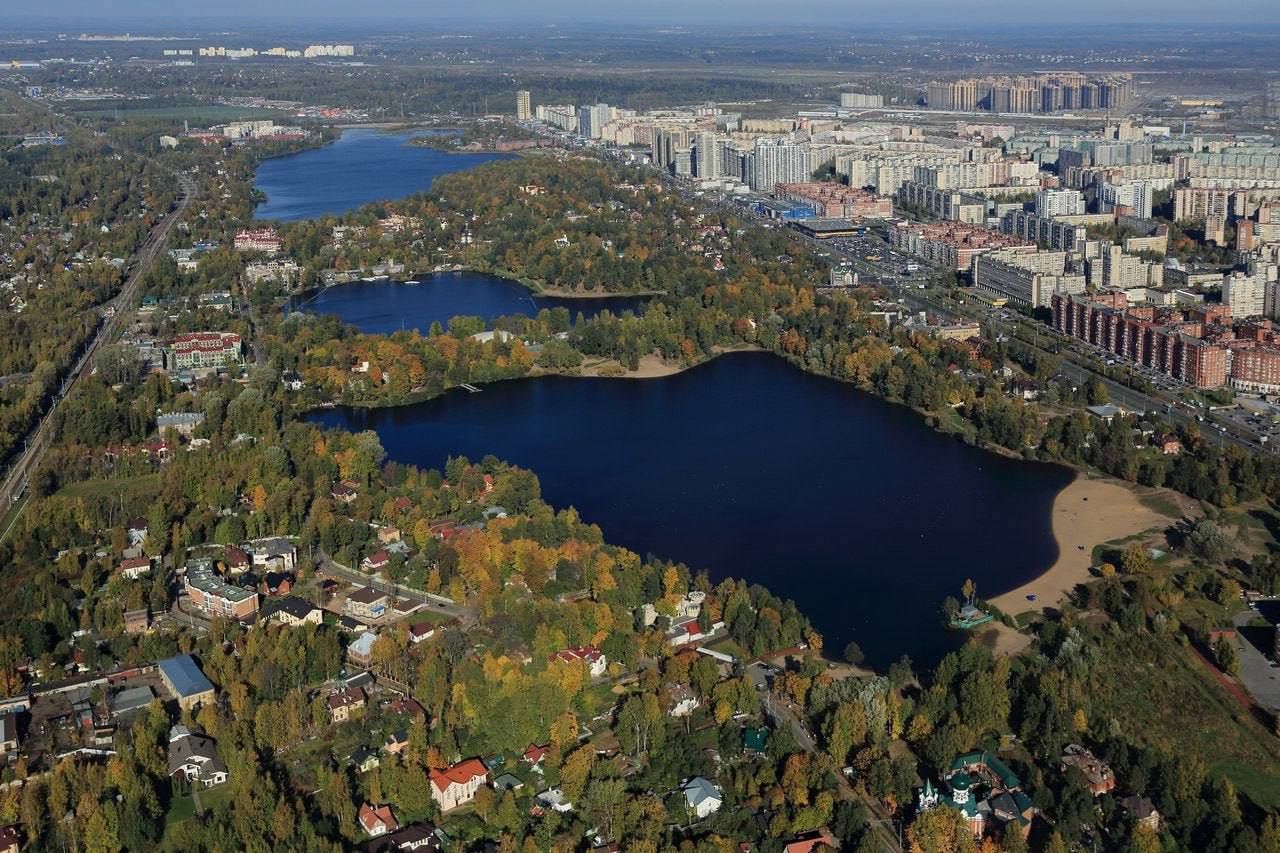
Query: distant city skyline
{"points": [[916, 13]]}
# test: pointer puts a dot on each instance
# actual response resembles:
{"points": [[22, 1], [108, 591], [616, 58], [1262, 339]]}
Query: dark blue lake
{"points": [[384, 307], [361, 166], [748, 467]]}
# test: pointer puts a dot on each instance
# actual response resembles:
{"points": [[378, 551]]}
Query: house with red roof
{"points": [[135, 567], [344, 703], [595, 660], [377, 820], [534, 754], [236, 559], [420, 631], [809, 841], [457, 785], [377, 561]]}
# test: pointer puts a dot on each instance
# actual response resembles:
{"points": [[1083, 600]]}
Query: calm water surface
{"points": [[383, 307], [362, 166], [748, 467]]}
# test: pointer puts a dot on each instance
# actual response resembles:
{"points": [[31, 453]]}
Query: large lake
{"points": [[361, 166], [746, 466], [384, 307]]}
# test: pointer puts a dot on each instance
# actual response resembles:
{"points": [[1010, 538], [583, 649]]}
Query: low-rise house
{"points": [[808, 842], [360, 652], [236, 560], [344, 493], [682, 701], [534, 755], [293, 611], [137, 621], [183, 423], [507, 782], [690, 631], [195, 758], [276, 583], [185, 681], [274, 553], [420, 631], [1142, 811], [701, 797], [396, 742], [345, 703], [554, 799], [135, 567], [137, 532], [8, 733], [594, 659], [377, 820], [367, 603], [377, 561], [131, 700], [1099, 777], [10, 839], [755, 740], [457, 785], [414, 838], [365, 759]]}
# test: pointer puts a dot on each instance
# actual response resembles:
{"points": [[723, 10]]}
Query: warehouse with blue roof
{"points": [[182, 675]]}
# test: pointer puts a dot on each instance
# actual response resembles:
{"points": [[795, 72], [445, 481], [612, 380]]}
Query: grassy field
{"points": [[199, 113], [143, 484], [184, 808], [1182, 710], [1160, 503]]}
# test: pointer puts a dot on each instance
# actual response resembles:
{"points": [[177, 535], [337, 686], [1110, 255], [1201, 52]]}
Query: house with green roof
{"points": [[981, 760], [755, 739], [983, 789]]}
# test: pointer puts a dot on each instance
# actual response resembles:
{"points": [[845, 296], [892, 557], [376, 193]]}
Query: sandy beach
{"points": [[652, 366], [1088, 512]]}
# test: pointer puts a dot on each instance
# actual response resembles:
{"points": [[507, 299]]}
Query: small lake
{"points": [[748, 467], [384, 307], [361, 166]]}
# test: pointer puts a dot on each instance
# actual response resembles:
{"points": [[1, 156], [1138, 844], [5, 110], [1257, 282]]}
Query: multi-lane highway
{"points": [[37, 442]]}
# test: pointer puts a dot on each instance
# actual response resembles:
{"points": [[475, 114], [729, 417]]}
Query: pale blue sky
{"points": [[725, 12]]}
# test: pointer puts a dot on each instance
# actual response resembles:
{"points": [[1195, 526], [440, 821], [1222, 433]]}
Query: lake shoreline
{"points": [[712, 492], [1090, 511], [423, 277]]}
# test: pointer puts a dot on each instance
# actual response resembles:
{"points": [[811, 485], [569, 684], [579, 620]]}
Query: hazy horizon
{"points": [[921, 14]]}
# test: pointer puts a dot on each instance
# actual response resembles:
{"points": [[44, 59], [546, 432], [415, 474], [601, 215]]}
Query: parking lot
{"points": [[1255, 646]]}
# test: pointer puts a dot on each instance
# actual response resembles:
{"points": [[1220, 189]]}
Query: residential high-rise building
{"points": [[1135, 195], [524, 110], [859, 101], [778, 162], [1245, 294], [1041, 93], [1059, 203], [592, 119], [707, 156]]}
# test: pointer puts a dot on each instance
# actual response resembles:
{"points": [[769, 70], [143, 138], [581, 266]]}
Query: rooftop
{"points": [[185, 676]]}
